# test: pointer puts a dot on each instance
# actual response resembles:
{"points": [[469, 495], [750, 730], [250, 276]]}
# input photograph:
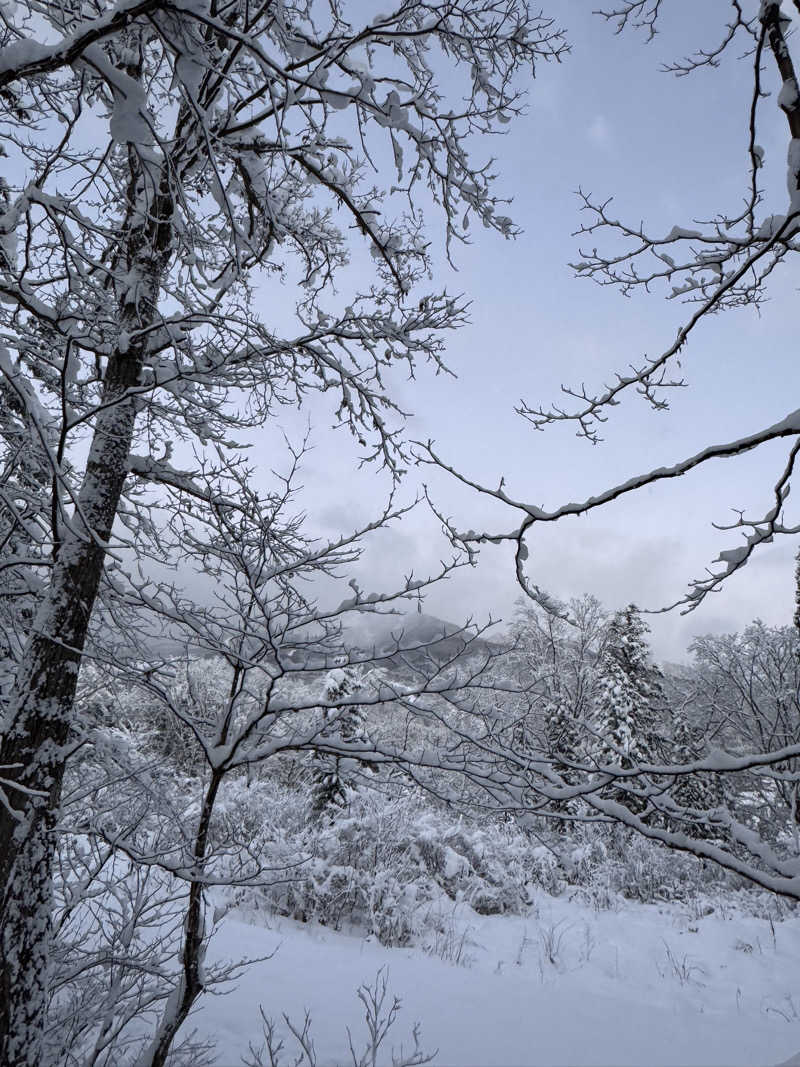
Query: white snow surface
{"points": [[643, 985]]}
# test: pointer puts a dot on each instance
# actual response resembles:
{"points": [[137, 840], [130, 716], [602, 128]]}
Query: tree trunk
{"points": [[38, 724], [191, 980], [40, 713]]}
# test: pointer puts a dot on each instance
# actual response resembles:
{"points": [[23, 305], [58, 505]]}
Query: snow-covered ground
{"points": [[566, 984]]}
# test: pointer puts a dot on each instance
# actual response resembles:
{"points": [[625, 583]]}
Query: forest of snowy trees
{"points": [[217, 212], [336, 832]]}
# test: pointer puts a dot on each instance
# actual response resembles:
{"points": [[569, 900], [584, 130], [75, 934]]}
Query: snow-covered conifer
{"points": [[628, 695], [565, 736], [332, 776], [628, 692], [694, 792]]}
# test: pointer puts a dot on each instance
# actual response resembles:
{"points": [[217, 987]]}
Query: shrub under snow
{"points": [[395, 865]]}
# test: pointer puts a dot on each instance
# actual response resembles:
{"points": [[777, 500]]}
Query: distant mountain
{"points": [[404, 643], [424, 637]]}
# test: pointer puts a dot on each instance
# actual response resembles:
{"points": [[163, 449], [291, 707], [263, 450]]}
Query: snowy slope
{"points": [[644, 985]]}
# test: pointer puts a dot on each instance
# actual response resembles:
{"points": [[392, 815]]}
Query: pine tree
{"points": [[331, 781], [563, 732], [566, 743], [629, 693], [702, 792]]}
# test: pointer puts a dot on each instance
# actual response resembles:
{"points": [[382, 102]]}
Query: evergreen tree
{"points": [[702, 792], [331, 780], [564, 738], [628, 692], [563, 732], [628, 697]]}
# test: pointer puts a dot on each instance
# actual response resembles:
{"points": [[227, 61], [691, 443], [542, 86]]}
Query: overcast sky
{"points": [[669, 150]]}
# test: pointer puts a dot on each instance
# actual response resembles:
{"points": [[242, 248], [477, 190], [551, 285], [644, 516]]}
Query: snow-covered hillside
{"points": [[566, 984]]}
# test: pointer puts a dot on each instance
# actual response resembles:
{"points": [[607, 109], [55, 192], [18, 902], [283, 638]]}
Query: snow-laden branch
{"points": [[27, 58], [719, 264], [175, 171]]}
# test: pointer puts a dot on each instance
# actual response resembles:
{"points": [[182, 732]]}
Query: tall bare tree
{"points": [[169, 165]]}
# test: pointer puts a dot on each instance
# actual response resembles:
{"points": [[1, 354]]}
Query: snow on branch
{"points": [[26, 58], [718, 264]]}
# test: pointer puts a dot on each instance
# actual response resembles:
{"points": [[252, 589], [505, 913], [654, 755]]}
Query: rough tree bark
{"points": [[36, 732]]}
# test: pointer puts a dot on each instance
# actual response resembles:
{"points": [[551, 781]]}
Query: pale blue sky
{"points": [[670, 151]]}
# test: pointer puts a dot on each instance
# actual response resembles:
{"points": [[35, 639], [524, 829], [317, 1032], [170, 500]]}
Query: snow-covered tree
{"points": [[628, 698], [747, 685], [628, 692], [174, 170], [556, 664], [746, 693], [564, 733], [25, 494], [693, 792], [331, 776]]}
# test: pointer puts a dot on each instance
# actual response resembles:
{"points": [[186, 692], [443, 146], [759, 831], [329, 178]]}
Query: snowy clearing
{"points": [[645, 985]]}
